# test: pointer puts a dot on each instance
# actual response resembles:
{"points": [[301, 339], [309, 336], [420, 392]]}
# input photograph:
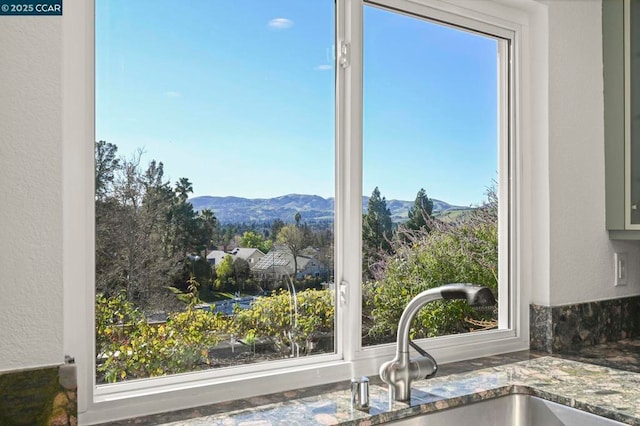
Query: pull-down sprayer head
{"points": [[473, 294]]}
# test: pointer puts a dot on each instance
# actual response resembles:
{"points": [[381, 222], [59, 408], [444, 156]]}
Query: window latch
{"points": [[343, 293], [344, 58]]}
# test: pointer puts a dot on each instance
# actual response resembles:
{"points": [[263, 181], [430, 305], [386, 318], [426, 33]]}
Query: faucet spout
{"points": [[401, 371]]}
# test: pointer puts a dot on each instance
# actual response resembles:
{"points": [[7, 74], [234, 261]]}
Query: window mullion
{"points": [[349, 173]]}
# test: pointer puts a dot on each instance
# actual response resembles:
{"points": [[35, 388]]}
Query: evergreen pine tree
{"points": [[376, 225], [420, 212]]}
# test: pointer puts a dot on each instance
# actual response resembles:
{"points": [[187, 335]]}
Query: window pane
{"points": [[430, 171], [212, 117]]}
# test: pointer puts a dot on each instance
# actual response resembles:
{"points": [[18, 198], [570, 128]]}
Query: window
{"points": [[431, 128], [180, 85], [186, 121]]}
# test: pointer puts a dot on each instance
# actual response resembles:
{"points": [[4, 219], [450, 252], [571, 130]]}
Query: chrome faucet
{"points": [[401, 371]]}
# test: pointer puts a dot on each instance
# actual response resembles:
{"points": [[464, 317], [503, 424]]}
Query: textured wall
{"points": [[30, 192]]}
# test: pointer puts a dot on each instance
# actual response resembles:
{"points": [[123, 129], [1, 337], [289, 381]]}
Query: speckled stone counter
{"points": [[256, 404], [600, 390]]}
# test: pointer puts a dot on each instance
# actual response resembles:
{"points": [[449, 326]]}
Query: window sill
{"points": [[331, 401], [199, 389], [327, 404]]}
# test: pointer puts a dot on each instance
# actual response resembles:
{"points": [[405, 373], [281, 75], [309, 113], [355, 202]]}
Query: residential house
{"points": [[311, 267], [251, 255], [215, 257], [278, 264]]}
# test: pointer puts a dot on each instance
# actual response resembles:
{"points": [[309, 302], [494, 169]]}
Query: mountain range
{"points": [[312, 208]]}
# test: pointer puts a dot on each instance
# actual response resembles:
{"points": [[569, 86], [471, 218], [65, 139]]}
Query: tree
{"points": [[159, 265], [107, 211], [130, 224], [183, 188], [241, 272], [420, 212], [184, 223], [323, 240], [225, 274], [376, 226], [225, 235], [276, 226], [144, 229], [252, 239], [106, 166], [294, 239], [209, 223]]}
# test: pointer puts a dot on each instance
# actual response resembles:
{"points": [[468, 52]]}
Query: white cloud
{"points": [[280, 23], [172, 94], [324, 67]]}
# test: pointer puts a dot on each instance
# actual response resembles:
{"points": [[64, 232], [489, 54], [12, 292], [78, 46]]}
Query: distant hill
{"points": [[313, 208]]}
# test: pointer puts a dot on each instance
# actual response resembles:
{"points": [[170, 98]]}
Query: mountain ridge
{"points": [[312, 208]]}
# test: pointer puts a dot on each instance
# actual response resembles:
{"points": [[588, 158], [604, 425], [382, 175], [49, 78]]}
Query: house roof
{"points": [[274, 258], [282, 258], [245, 253], [217, 256], [302, 261], [309, 251]]}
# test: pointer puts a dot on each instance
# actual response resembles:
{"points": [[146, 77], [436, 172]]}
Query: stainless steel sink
{"points": [[512, 410]]}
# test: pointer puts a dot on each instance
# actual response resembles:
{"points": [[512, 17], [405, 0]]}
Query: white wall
{"points": [[581, 254], [30, 192]]}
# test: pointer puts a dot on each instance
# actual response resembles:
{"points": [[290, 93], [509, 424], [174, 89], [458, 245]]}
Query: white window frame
{"points": [[146, 396]]}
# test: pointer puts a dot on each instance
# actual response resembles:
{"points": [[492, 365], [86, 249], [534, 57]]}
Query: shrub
{"points": [[128, 347], [273, 319], [461, 252]]}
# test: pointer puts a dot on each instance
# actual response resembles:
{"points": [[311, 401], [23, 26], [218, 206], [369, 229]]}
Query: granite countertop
{"points": [[622, 355], [610, 389]]}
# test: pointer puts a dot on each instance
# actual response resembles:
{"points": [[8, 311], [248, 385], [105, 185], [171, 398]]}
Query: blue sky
{"points": [[239, 98]]}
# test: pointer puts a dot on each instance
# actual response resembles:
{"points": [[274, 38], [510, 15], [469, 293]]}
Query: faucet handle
{"points": [[434, 368], [423, 367]]}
